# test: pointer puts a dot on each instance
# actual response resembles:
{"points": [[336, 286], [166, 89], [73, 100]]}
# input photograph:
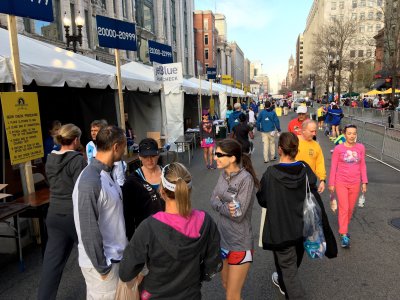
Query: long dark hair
{"points": [[234, 148]]}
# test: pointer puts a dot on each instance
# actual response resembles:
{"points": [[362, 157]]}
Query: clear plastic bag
{"points": [[333, 202], [314, 239]]}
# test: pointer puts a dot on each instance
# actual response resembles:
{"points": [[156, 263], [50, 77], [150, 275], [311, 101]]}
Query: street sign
{"points": [[211, 73], [116, 34], [227, 79], [34, 9], [22, 122], [160, 53], [168, 73]]}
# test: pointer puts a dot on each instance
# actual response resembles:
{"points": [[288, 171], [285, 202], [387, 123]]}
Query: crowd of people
{"points": [[141, 230]]}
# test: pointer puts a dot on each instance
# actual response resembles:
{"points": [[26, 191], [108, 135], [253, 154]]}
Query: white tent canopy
{"points": [[52, 66]]}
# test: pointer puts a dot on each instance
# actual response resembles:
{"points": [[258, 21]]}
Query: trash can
{"points": [[221, 132]]}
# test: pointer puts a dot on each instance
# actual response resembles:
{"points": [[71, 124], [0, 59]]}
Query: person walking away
{"points": [[254, 106], [140, 192], [268, 124], [48, 143], [99, 216], [295, 124], [62, 170], [179, 246], [252, 118], [233, 199], [207, 137], [320, 117], [348, 170], [282, 193], [285, 107], [229, 111], [234, 117], [242, 132], [91, 148], [336, 114]]}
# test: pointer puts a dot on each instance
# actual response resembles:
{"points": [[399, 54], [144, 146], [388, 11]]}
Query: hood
{"points": [[178, 245], [56, 161], [236, 114], [291, 176]]}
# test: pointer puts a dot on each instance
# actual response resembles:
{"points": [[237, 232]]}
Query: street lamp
{"points": [[74, 39], [333, 66]]}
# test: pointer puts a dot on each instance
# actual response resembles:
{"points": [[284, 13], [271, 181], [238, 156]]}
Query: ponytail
{"points": [[248, 166], [182, 195]]}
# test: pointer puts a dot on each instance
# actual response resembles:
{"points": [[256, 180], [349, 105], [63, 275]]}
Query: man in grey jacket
{"points": [[99, 218]]}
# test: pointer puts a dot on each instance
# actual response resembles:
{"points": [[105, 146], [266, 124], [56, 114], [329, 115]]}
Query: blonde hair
{"points": [[177, 174], [67, 134]]}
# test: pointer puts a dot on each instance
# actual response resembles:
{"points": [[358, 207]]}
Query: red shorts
{"points": [[237, 257]]}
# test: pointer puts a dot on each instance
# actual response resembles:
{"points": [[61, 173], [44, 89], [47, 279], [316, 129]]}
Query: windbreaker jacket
{"points": [[177, 263], [268, 121]]}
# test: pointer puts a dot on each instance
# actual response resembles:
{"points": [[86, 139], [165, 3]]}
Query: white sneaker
{"points": [[275, 280]]}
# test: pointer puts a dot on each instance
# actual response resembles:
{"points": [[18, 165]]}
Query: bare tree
{"points": [[392, 41]]}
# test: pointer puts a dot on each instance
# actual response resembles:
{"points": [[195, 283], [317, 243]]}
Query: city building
{"points": [[169, 22], [237, 64], [366, 14], [299, 58], [255, 69], [291, 73], [223, 50]]}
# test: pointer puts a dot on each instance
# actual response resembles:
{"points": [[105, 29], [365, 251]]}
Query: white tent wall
{"points": [[222, 105], [144, 113], [174, 105]]}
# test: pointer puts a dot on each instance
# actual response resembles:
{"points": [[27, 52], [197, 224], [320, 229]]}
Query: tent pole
{"points": [[120, 95], [200, 103], [25, 168]]}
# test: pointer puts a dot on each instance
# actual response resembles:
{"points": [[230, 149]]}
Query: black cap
{"points": [[148, 147]]}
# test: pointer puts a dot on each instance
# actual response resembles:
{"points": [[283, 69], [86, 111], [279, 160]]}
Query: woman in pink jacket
{"points": [[348, 172]]}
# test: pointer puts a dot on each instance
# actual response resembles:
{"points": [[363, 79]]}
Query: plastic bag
{"points": [[333, 202], [314, 239]]}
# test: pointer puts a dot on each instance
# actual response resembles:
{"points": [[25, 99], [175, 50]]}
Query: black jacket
{"points": [[177, 263], [140, 201], [62, 171], [282, 193], [283, 190]]}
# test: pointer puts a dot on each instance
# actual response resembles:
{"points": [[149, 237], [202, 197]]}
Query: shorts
{"points": [[207, 143], [237, 257], [320, 119]]}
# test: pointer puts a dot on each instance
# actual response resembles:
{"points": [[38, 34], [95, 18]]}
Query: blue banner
{"points": [[160, 53], [211, 73], [34, 9], [116, 34]]}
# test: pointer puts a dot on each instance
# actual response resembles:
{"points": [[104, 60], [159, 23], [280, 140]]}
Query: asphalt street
{"points": [[369, 270]]}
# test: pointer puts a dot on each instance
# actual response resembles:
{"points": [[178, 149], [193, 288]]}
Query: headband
{"points": [[169, 185]]}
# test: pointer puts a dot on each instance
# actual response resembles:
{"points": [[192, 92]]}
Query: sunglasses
{"points": [[219, 154]]}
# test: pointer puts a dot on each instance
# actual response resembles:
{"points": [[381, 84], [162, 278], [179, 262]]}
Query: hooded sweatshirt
{"points": [[283, 190], [234, 119], [268, 121], [179, 253], [62, 171]]}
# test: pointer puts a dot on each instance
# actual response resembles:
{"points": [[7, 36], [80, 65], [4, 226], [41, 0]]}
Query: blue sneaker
{"points": [[345, 240]]}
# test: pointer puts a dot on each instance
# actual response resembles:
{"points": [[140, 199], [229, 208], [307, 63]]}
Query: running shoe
{"points": [[345, 240], [275, 280]]}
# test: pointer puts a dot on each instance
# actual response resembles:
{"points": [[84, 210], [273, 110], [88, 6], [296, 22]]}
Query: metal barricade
{"points": [[391, 145], [374, 135]]}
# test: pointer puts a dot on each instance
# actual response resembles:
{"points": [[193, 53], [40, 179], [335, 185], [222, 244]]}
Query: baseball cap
{"points": [[301, 109], [148, 147]]}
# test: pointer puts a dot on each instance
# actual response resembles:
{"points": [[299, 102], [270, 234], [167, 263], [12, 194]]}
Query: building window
{"points": [[362, 28], [333, 5], [341, 4], [360, 53], [354, 5], [205, 24], [333, 18], [370, 27], [377, 27], [369, 53], [145, 14], [370, 15], [206, 54], [353, 53], [362, 3], [124, 8], [206, 39], [362, 16], [379, 16], [354, 16], [206, 66], [379, 2], [371, 3], [341, 17]]}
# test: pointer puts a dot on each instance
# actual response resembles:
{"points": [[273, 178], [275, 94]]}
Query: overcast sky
{"points": [[265, 30]]}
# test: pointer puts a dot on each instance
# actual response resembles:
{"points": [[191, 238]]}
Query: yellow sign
{"points": [[238, 84], [226, 79], [22, 122]]}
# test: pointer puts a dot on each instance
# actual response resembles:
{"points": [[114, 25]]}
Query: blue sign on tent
{"points": [[116, 34], [160, 53], [211, 73], [34, 9]]}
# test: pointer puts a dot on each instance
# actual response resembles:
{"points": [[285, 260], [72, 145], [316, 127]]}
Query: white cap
{"points": [[301, 109]]}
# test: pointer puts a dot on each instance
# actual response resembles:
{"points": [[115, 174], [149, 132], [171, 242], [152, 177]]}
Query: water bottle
{"points": [[333, 202], [361, 201], [238, 210]]}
